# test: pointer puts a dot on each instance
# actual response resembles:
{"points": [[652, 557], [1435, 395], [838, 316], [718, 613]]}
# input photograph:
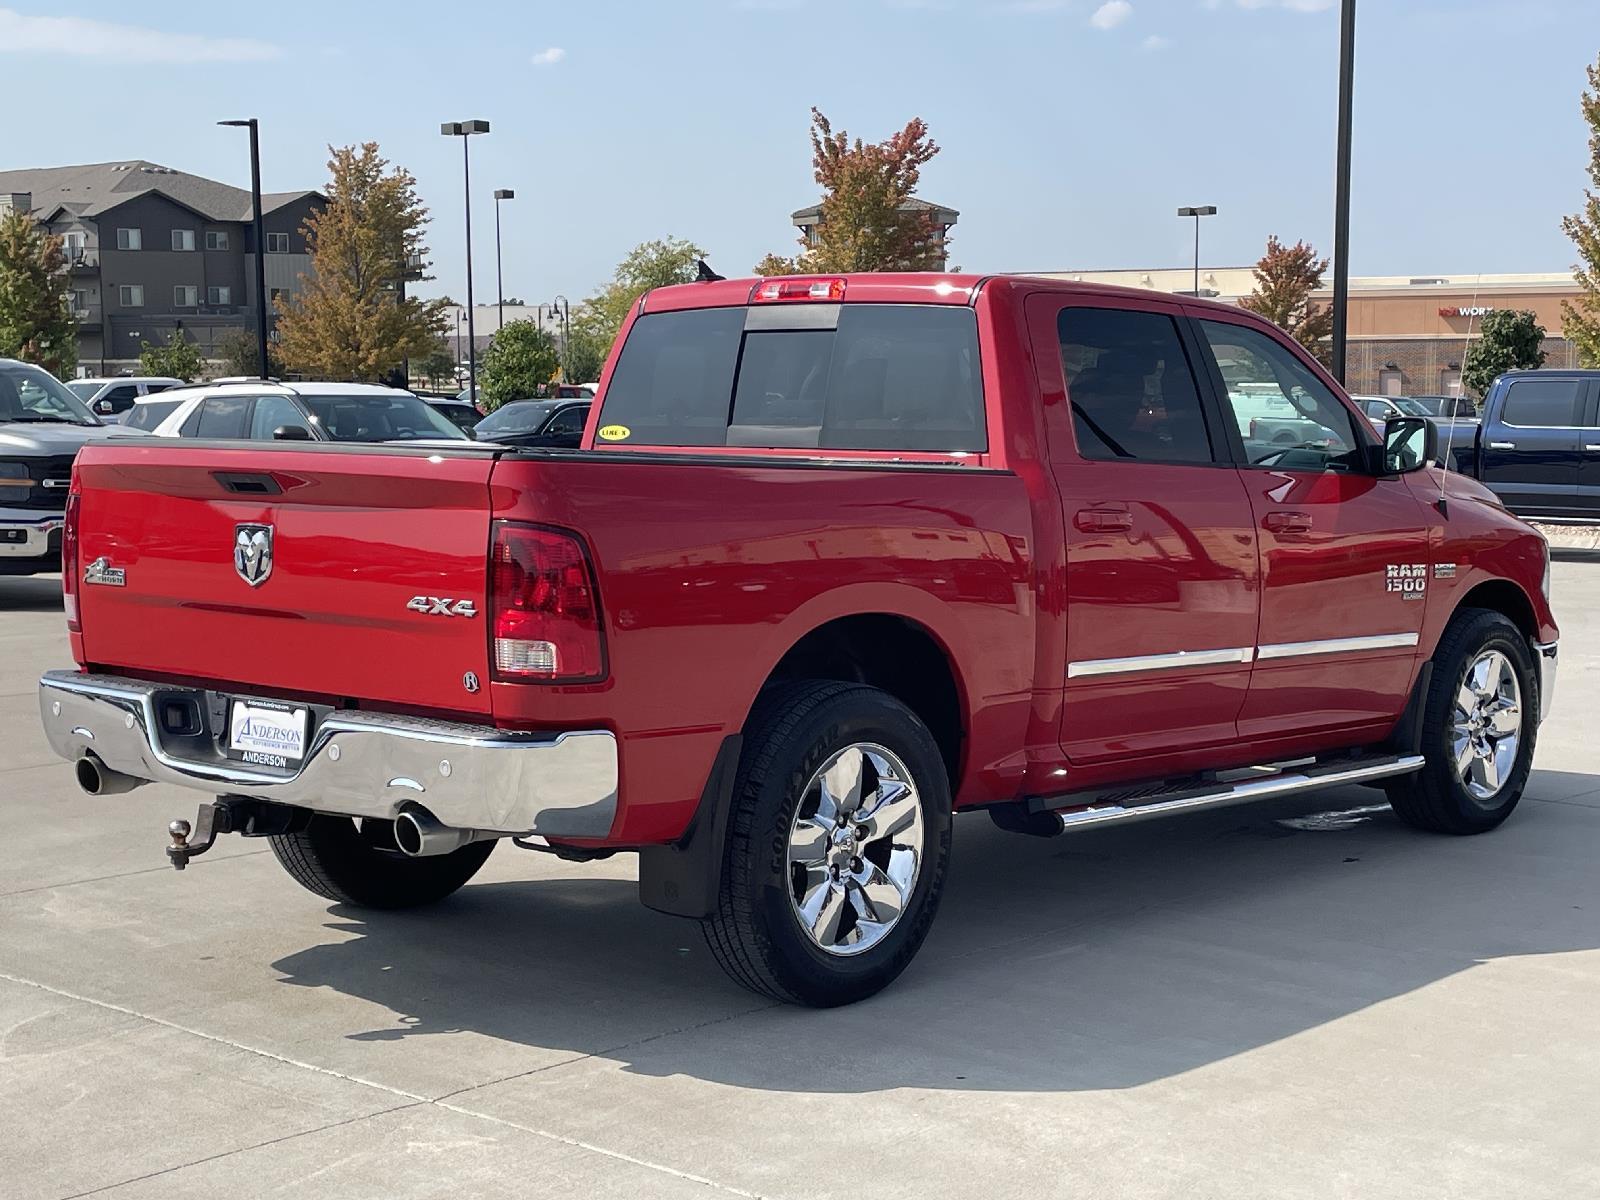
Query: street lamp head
{"points": [[1205, 210], [463, 128], [504, 194], [245, 124]]}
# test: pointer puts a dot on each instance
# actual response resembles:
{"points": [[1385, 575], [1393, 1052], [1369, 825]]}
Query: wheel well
{"points": [[1507, 598], [894, 654]]}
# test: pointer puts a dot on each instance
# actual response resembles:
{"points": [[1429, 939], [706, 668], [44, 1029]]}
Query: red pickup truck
{"points": [[838, 557]]}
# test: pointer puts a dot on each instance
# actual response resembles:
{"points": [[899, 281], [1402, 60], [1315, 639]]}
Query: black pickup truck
{"points": [[1538, 444], [42, 426]]}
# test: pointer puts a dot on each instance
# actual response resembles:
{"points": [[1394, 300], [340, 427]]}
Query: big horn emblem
{"points": [[252, 553]]}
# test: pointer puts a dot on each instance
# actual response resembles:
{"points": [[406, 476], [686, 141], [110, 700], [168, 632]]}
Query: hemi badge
{"points": [[101, 571], [1444, 570]]}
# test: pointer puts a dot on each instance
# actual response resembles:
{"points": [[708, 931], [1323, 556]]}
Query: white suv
{"points": [[265, 410], [108, 397]]}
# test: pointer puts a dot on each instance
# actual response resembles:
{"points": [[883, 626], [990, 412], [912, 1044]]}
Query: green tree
{"points": [[35, 319], [521, 360], [1580, 319], [438, 364], [586, 352], [179, 358], [869, 220], [349, 321], [1509, 340], [1285, 278], [648, 265], [240, 354]]}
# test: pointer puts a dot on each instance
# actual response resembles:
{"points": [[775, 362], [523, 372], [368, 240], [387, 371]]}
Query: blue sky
{"points": [[1071, 128]]}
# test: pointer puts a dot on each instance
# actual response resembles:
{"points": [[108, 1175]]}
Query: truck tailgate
{"points": [[357, 536]]}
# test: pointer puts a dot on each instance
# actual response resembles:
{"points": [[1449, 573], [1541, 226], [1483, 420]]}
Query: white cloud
{"points": [[1111, 14], [1155, 42], [81, 37], [549, 56]]}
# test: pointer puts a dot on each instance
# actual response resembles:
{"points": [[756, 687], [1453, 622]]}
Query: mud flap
{"points": [[683, 879]]}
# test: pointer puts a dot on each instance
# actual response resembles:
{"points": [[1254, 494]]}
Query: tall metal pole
{"points": [[499, 273], [472, 341], [261, 238], [1341, 190], [1197, 256]]}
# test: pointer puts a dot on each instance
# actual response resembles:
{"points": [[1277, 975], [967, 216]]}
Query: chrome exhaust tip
{"points": [[420, 834], [97, 779]]}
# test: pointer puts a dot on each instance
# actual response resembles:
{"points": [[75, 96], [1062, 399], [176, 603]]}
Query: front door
{"points": [[1589, 455], [1530, 450], [1161, 581], [1344, 558]]}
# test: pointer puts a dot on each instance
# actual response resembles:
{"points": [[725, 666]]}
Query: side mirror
{"points": [[103, 407], [291, 433], [1409, 444]]}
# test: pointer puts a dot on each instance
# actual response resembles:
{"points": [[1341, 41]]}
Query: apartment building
{"points": [[152, 249]]}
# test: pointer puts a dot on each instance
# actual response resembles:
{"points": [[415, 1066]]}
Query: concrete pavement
{"points": [[1240, 1004]]}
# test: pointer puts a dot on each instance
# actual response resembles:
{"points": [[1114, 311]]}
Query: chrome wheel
{"points": [[1486, 725], [855, 848]]}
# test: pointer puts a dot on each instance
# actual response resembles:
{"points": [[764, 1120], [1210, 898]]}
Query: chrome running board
{"points": [[1255, 785]]}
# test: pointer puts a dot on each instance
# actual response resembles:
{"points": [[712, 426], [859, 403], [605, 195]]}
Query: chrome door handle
{"points": [[1288, 522], [1103, 520], [1591, 445], [1502, 445]]}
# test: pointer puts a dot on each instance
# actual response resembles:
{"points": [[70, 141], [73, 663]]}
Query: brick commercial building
{"points": [[152, 250], [1407, 333]]}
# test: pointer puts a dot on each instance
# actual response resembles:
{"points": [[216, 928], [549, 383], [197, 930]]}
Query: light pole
{"points": [[1205, 210], [464, 130], [1341, 189], [563, 309], [499, 280], [261, 246]]}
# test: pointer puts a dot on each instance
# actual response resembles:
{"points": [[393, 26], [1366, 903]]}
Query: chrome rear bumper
{"points": [[359, 764], [1545, 660]]}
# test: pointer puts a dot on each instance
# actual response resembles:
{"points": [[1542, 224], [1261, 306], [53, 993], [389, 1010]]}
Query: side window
{"points": [[148, 416], [219, 417], [1288, 418], [1131, 390], [1536, 403], [270, 413], [569, 420]]}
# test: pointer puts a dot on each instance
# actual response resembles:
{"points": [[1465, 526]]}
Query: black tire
{"points": [[1436, 798], [357, 863], [755, 934]]}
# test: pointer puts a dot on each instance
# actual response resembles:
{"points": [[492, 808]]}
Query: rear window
{"points": [[399, 417], [835, 377], [148, 416]]}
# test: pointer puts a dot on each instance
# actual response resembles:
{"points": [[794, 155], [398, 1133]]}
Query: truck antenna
{"points": [[1450, 430]]}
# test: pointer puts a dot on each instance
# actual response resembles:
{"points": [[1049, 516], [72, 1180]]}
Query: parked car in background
{"points": [[1269, 419], [838, 558], [42, 425], [575, 391], [462, 414], [1453, 431], [1538, 444], [1448, 406], [262, 410], [111, 397], [556, 423]]}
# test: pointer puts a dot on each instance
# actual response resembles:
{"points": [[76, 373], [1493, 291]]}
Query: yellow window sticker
{"points": [[615, 433]]}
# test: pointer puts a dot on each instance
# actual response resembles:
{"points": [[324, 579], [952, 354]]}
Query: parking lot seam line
{"points": [[50, 887], [288, 1137], [393, 1091], [1569, 801], [609, 1050], [211, 1037], [578, 1143]]}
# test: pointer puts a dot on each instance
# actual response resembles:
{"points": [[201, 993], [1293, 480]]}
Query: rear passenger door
{"points": [[1162, 573], [1532, 444], [1589, 455]]}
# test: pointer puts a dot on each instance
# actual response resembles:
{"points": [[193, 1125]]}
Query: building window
{"points": [[130, 239], [79, 301], [277, 243], [274, 293], [219, 295], [185, 296], [131, 295], [183, 239], [216, 239], [72, 245]]}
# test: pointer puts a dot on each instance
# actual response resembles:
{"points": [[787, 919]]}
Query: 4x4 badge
{"points": [[252, 553]]}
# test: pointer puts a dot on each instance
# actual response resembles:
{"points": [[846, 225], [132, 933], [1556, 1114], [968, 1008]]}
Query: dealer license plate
{"points": [[266, 735]]}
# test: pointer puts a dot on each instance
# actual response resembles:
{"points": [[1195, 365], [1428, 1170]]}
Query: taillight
{"points": [[69, 562], [797, 289], [544, 611]]}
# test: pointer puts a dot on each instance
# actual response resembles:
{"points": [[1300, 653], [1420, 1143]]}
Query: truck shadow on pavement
{"points": [[1105, 959], [27, 594]]}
